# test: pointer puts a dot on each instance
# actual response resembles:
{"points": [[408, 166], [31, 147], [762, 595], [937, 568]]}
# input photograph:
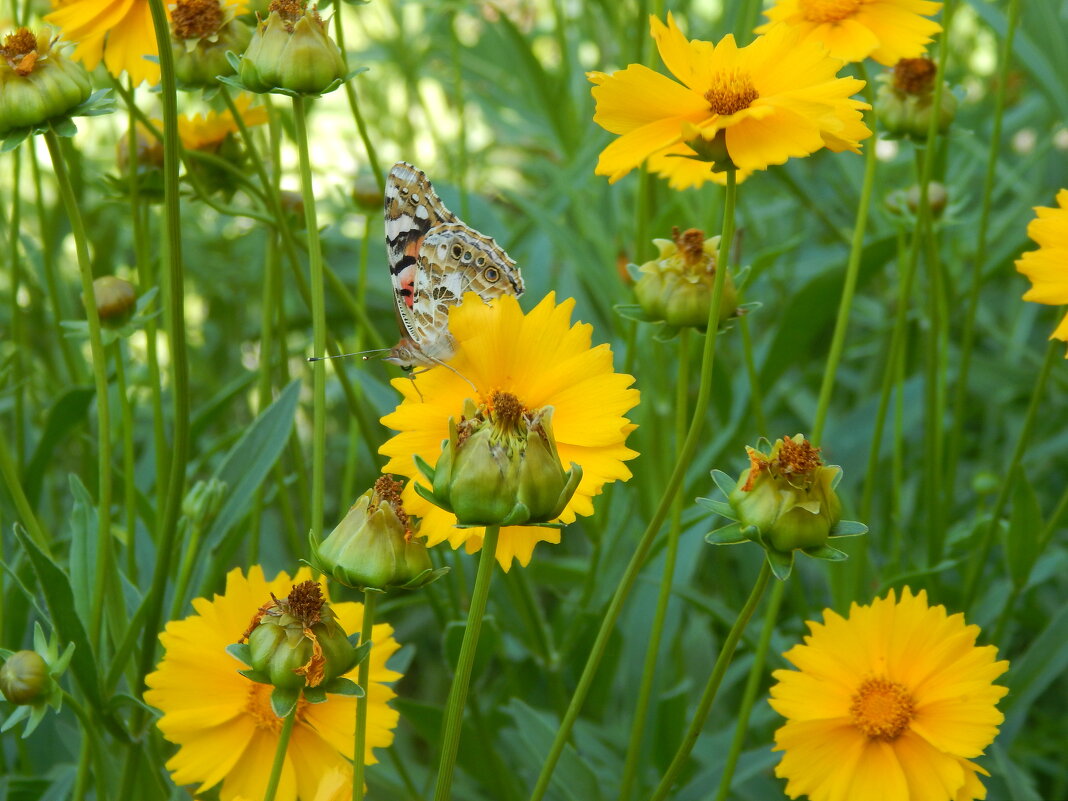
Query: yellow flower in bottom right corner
{"points": [[1047, 267], [889, 704]]}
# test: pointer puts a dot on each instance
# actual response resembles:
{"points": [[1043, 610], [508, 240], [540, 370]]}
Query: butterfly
{"points": [[434, 258]]}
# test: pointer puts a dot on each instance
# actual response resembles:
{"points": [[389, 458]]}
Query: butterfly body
{"points": [[434, 258]]}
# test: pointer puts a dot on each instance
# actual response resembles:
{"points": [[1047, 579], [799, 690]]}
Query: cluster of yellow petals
{"points": [[853, 30], [775, 99], [207, 131], [1047, 267]]}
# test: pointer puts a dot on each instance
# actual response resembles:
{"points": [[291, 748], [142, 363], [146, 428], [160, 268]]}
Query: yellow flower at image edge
{"points": [[119, 32], [853, 30], [223, 722], [541, 359], [205, 131], [890, 703], [1047, 267], [775, 99]]}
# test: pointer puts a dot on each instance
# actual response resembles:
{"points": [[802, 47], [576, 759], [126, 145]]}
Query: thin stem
{"points": [[752, 685], [318, 311], [845, 304], [756, 395], [280, 754], [81, 245], [645, 688], [454, 710], [12, 481], [704, 706], [637, 560], [354, 105], [17, 378], [129, 489], [370, 599]]}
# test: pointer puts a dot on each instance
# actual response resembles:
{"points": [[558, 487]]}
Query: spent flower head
{"points": [[905, 99], [38, 84], [202, 31]]}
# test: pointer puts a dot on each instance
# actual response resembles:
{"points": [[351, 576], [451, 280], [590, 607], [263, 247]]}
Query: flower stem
{"points": [[674, 483], [280, 754], [845, 304], [318, 310], [128, 466], [752, 684], [103, 410], [354, 105], [454, 710], [704, 706], [645, 688], [369, 600]]}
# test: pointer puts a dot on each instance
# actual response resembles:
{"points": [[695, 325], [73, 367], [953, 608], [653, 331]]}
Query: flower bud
{"points": [[902, 201], [37, 83], [24, 678], [677, 286], [148, 152], [201, 33], [373, 547], [115, 299], [296, 641], [203, 502], [905, 99], [788, 495], [501, 467], [291, 50]]}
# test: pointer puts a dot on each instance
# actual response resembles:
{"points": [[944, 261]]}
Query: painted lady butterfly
{"points": [[434, 258]]}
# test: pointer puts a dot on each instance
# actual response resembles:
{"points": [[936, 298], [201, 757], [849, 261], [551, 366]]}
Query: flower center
{"points": [[915, 76], [882, 709], [731, 91], [691, 245], [196, 19], [258, 707], [388, 490], [828, 10], [20, 51], [289, 10]]}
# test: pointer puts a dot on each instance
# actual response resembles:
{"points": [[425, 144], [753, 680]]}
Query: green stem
{"points": [[129, 468], [10, 474], [90, 740], [370, 599], [674, 483], [102, 574], [704, 706], [354, 105], [986, 538], [454, 710], [645, 688], [280, 754], [752, 685], [17, 377], [845, 304], [756, 395], [979, 259], [318, 311]]}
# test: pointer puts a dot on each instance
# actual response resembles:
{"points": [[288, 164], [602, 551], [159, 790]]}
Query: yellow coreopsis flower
{"points": [[119, 32], [1047, 267], [223, 722], [775, 99], [543, 361], [853, 30], [889, 704], [207, 131]]}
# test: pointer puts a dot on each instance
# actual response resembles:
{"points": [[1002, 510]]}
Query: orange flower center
{"points": [[258, 708], [731, 92], [195, 19], [882, 709], [828, 10]]}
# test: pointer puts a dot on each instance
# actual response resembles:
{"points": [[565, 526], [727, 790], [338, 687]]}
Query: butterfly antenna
{"points": [[470, 383], [378, 351]]}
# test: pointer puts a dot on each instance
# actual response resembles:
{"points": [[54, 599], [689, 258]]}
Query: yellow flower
{"points": [[541, 359], [775, 99], [223, 722], [207, 131], [853, 30], [1047, 267], [890, 703], [118, 31]]}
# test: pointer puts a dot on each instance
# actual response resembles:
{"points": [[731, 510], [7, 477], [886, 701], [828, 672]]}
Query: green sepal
{"points": [[241, 652], [519, 513], [6, 654], [428, 576], [360, 655], [666, 333], [284, 700], [424, 468], [428, 495], [343, 686], [781, 563], [632, 311], [721, 508], [60, 665], [728, 535], [258, 676], [354, 639], [12, 720], [848, 528], [315, 695], [724, 483], [826, 552]]}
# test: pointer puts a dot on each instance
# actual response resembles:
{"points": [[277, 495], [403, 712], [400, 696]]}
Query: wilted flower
{"points": [[37, 82], [905, 99], [201, 33]]}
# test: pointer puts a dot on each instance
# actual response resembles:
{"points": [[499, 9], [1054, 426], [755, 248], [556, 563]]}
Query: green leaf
{"points": [[1044, 661], [66, 413], [573, 779], [1025, 528], [83, 547]]}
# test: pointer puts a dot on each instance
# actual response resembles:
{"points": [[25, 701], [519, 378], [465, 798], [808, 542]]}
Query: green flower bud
{"points": [[24, 678], [291, 50], [676, 287], [373, 547], [296, 641], [201, 33], [788, 495], [37, 83], [905, 99], [501, 467], [203, 502], [907, 201], [115, 299]]}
